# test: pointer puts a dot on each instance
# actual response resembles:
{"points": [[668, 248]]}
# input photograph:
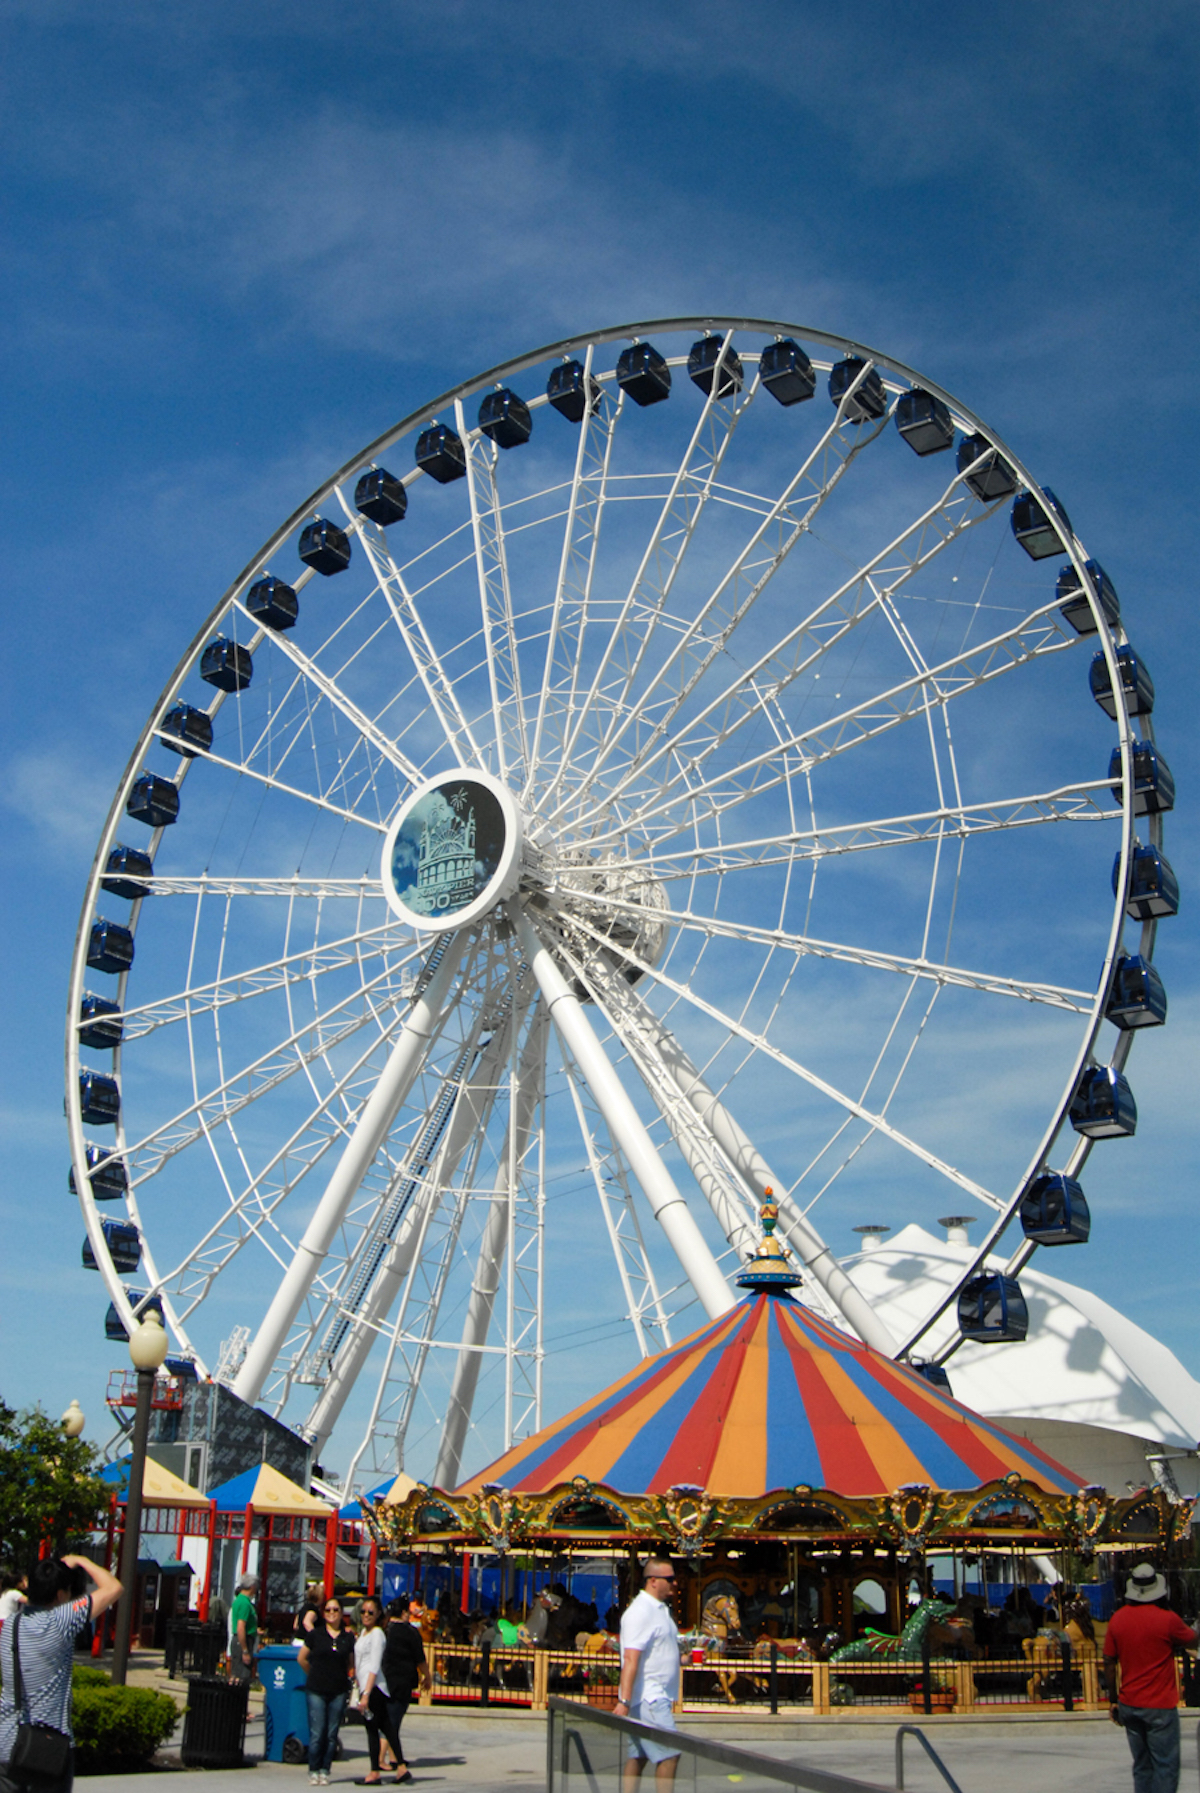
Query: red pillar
{"points": [[372, 1566], [246, 1530], [206, 1596], [466, 1581], [331, 1537]]}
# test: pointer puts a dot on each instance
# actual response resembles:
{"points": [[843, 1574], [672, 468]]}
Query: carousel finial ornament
{"points": [[770, 1267]]}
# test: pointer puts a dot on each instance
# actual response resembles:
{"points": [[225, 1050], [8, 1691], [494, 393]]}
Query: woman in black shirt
{"points": [[327, 1657]]}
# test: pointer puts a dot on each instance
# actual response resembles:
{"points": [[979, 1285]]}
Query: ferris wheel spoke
{"points": [[706, 636], [644, 1306], [766, 1047], [1070, 803], [775, 670], [159, 884], [252, 1081], [274, 783], [302, 967], [624, 652], [808, 945], [331, 692], [572, 606], [435, 681], [495, 602]]}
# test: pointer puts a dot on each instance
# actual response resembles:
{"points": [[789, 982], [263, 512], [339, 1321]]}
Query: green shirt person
{"points": [[243, 1630]]}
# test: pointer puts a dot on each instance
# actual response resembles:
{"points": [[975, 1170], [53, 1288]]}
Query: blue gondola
{"points": [[1034, 527], [440, 453], [182, 1368], [114, 1327], [153, 800], [1137, 997], [1136, 683], [924, 422], [106, 1174], [504, 418], [1103, 1106], [643, 373], [324, 547], [1054, 1211], [869, 401], [187, 731], [570, 390], [1073, 602], [992, 1310], [273, 603], [110, 947], [101, 1026], [786, 372], [702, 366], [99, 1099], [1153, 886], [124, 1244], [124, 871], [993, 478], [1153, 785], [935, 1375], [381, 496], [226, 664]]}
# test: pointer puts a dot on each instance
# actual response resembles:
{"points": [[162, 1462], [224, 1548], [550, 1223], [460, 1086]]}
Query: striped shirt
{"points": [[47, 1636]]}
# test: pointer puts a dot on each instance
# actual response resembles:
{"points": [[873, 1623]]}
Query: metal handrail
{"points": [[816, 1780], [904, 1731]]}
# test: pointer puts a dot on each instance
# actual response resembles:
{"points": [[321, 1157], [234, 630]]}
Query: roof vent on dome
{"points": [[770, 1268]]}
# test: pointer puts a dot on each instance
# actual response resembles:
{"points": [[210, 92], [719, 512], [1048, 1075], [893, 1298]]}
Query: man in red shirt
{"points": [[1144, 1637]]}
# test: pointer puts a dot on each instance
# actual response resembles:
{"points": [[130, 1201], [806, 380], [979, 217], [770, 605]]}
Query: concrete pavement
{"points": [[451, 1751]]}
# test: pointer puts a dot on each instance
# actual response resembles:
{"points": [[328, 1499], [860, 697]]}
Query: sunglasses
{"points": [[333, 1607]]}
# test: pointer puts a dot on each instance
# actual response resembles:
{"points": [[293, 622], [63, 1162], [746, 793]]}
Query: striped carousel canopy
{"points": [[770, 1396]]}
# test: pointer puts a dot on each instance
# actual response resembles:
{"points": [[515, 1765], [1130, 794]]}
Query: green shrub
{"points": [[84, 1675], [118, 1727]]}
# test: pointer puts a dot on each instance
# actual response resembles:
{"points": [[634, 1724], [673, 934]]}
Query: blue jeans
{"points": [[324, 1717], [1153, 1733]]}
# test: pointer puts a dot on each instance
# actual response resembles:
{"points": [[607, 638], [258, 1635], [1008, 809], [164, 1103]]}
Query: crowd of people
{"points": [[378, 1665]]}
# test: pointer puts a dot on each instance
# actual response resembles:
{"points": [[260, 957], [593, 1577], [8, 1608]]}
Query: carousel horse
{"points": [[720, 1622], [946, 1635]]}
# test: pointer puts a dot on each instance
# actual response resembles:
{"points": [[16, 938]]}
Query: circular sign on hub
{"points": [[453, 852]]}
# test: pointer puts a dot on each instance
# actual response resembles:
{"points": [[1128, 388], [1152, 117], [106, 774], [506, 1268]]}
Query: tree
{"points": [[49, 1491]]}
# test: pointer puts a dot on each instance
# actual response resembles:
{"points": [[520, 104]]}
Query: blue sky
{"points": [[240, 241]]}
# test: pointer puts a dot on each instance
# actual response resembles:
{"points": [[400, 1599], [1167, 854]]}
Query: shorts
{"points": [[657, 1710]]}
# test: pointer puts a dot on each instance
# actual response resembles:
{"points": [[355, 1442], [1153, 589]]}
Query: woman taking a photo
{"points": [[326, 1656], [372, 1690]]}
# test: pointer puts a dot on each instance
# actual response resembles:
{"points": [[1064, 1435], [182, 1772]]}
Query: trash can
{"points": [[285, 1703], [214, 1724]]}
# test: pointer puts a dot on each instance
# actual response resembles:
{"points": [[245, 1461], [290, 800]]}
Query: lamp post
{"points": [[73, 1420], [148, 1348]]}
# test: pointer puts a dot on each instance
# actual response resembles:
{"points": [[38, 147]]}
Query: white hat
{"points": [[1145, 1585]]}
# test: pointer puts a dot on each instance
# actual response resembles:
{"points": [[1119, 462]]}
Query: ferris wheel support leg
{"points": [[757, 1174], [487, 1273], [469, 1114], [376, 1117], [627, 1128]]}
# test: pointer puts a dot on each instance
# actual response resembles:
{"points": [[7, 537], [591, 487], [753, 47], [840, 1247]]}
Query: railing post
{"points": [[964, 1686], [821, 1703], [541, 1680], [1068, 1688], [1090, 1666], [926, 1674], [773, 1679], [485, 1672]]}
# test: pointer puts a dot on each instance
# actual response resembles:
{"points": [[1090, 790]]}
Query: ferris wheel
{"points": [[660, 771]]}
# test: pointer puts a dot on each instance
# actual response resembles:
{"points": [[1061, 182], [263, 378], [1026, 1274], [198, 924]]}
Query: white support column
{"points": [[758, 1176], [375, 1118], [487, 1270], [626, 1127]]}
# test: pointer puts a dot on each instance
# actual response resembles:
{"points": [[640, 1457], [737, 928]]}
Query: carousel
{"points": [[798, 1477]]}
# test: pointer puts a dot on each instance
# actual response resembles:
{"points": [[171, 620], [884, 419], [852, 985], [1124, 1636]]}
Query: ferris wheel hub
{"points": [[453, 851]]}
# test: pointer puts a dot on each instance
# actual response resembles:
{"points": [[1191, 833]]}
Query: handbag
{"points": [[39, 1752]]}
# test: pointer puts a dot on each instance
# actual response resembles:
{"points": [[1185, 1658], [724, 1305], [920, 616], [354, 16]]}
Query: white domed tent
{"points": [[1087, 1386]]}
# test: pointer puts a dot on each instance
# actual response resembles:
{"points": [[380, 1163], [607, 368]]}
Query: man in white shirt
{"points": [[650, 1672]]}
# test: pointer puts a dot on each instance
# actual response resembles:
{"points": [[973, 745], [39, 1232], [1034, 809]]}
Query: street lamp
{"points": [[148, 1348], [73, 1420]]}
